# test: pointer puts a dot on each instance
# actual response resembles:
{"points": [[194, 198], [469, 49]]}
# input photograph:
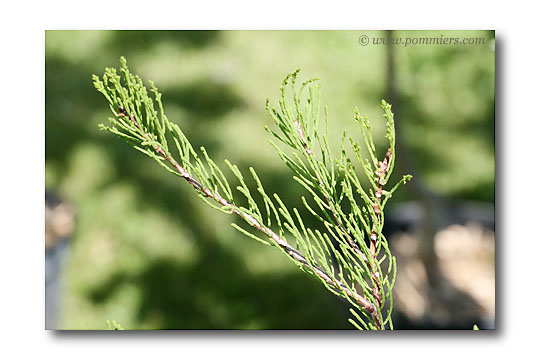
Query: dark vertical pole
{"points": [[428, 200]]}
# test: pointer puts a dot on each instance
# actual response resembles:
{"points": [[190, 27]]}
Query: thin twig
{"points": [[381, 173]]}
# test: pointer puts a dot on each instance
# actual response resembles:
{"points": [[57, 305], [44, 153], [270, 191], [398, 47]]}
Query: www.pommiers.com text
{"points": [[408, 41]]}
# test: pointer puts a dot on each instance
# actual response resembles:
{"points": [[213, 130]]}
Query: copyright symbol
{"points": [[363, 40]]}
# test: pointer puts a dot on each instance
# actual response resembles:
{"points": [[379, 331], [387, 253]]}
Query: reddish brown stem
{"points": [[381, 173]]}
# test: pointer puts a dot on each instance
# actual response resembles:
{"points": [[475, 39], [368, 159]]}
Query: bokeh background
{"points": [[127, 241]]}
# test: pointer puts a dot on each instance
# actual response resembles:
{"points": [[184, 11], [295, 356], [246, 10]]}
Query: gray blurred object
{"points": [[59, 225], [406, 215], [456, 287]]}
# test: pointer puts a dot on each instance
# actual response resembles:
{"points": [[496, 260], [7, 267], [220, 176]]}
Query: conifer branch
{"points": [[253, 222], [339, 257]]}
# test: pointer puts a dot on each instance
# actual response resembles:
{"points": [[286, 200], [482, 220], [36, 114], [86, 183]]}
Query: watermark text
{"points": [[420, 40]]}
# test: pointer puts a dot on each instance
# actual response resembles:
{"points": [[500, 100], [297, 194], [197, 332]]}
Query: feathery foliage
{"points": [[347, 252]]}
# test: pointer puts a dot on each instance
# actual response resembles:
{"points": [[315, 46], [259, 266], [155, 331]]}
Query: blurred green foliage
{"points": [[147, 252]]}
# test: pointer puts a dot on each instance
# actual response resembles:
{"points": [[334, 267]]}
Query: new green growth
{"points": [[347, 252]]}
